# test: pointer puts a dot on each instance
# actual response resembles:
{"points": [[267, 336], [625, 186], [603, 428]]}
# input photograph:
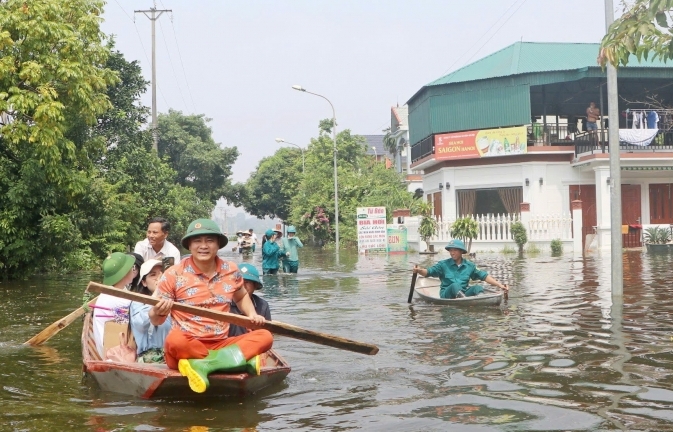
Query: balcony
{"points": [[563, 135]]}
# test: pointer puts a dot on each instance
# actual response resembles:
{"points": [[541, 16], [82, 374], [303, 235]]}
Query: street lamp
{"points": [[303, 166], [336, 182], [376, 155]]}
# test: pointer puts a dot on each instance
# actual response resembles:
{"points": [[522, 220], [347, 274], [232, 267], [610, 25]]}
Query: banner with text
{"points": [[372, 230], [397, 239], [481, 143]]}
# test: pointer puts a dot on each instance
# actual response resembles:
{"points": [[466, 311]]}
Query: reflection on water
{"points": [[558, 355]]}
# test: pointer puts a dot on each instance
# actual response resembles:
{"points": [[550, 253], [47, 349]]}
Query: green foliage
{"points": [[644, 29], [465, 229], [657, 235], [270, 188], [389, 142], [361, 183], [519, 235], [507, 250], [556, 247], [427, 228], [186, 143], [532, 249], [77, 174]]}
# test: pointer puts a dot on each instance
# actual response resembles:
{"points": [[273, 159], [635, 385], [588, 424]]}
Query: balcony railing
{"points": [[564, 135]]}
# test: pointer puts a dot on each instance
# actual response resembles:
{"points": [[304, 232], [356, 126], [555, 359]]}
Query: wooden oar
{"points": [[276, 327], [57, 326], [413, 285]]}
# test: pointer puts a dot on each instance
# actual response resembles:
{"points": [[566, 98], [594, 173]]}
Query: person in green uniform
{"points": [[271, 253], [455, 274], [290, 244]]}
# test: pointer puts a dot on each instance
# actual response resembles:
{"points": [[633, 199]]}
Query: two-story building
{"points": [[509, 131]]}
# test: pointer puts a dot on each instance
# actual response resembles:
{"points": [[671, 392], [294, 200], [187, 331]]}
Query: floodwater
{"points": [[555, 356]]}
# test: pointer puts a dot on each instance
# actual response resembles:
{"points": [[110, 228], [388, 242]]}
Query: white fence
{"points": [[498, 228]]}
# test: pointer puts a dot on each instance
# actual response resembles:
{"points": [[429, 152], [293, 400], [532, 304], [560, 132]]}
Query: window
{"points": [[484, 201]]}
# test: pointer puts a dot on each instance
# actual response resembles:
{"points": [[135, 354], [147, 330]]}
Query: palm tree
{"points": [[390, 142]]}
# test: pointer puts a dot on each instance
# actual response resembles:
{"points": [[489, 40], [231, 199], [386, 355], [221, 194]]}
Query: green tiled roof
{"points": [[531, 57]]}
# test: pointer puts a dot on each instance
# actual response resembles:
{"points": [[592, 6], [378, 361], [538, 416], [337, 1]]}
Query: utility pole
{"points": [[153, 14], [616, 266]]}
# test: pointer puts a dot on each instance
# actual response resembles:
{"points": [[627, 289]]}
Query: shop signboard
{"points": [[397, 239], [481, 143], [372, 229]]}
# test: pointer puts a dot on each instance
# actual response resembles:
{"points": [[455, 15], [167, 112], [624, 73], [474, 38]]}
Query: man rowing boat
{"points": [[455, 274], [197, 345]]}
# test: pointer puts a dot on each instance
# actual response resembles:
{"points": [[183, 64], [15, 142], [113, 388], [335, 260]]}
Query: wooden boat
{"points": [[149, 381], [428, 290]]}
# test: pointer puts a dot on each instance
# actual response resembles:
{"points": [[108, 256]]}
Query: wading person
{"points": [[455, 274], [271, 253], [251, 283], [290, 244], [196, 345], [155, 246], [253, 238]]}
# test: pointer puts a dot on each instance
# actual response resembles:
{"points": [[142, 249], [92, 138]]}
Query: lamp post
{"points": [[336, 182], [376, 154], [303, 166]]}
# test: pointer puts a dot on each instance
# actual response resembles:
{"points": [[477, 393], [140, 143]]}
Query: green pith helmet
{"points": [[269, 233], [204, 227], [291, 229], [116, 266], [456, 244], [250, 273]]}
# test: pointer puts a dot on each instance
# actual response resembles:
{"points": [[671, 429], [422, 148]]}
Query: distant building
{"points": [[506, 135]]}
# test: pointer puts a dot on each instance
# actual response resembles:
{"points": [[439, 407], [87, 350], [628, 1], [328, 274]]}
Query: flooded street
{"points": [[555, 356]]}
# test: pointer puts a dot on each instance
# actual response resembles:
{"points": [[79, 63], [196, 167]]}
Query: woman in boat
{"points": [[455, 274], [271, 252], [251, 283], [118, 271], [149, 338]]}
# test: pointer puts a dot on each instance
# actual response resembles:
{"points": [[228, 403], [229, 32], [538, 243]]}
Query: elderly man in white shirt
{"points": [[155, 246]]}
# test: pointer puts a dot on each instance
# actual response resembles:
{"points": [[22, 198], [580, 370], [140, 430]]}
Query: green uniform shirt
{"points": [[449, 273], [291, 245]]}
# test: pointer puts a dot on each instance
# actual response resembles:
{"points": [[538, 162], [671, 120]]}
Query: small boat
{"points": [[428, 290], [157, 381]]}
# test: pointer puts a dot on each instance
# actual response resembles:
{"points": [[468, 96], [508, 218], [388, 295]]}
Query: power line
{"points": [[142, 46], [183, 65], [496, 32], [170, 60], [477, 41]]}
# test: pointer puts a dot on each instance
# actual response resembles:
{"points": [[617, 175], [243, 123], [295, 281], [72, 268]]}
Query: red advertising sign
{"points": [[481, 143]]}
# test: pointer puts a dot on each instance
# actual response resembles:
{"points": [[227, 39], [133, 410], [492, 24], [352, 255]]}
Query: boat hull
{"points": [[151, 381], [427, 289]]}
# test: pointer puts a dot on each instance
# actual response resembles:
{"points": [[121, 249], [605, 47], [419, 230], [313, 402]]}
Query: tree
{"points": [[390, 142], [269, 190], [427, 228], [187, 144], [465, 229], [643, 29], [361, 182], [52, 90]]}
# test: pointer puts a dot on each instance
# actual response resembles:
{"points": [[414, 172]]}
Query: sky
{"points": [[236, 60]]}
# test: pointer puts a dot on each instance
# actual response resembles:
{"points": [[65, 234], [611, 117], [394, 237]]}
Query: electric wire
{"points": [[477, 41], [170, 60]]}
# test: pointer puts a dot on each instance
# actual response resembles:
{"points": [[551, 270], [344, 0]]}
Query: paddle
{"points": [[413, 285], [57, 326], [276, 327]]}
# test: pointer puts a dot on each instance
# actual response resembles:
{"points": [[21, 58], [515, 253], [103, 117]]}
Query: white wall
{"points": [[552, 197]]}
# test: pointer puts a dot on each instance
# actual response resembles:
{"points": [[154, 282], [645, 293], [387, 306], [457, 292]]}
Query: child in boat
{"points": [[118, 271], [455, 274], [251, 283], [149, 338]]}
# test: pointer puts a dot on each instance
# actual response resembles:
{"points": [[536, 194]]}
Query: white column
{"points": [[524, 207], [601, 175], [576, 208]]}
